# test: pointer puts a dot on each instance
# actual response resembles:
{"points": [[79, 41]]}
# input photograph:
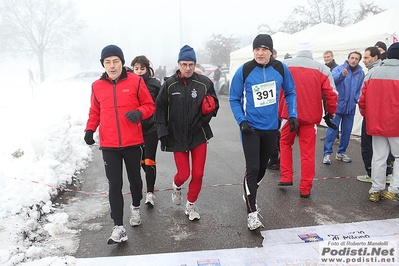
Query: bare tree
{"points": [[218, 48], [365, 10], [37, 27], [329, 11], [265, 28], [82, 48]]}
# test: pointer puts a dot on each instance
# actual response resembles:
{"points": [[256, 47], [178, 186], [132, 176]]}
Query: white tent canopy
{"points": [[324, 36], [357, 37], [283, 43], [381, 27], [319, 31]]}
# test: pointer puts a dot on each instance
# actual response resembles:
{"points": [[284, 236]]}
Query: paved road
{"points": [[337, 197]]}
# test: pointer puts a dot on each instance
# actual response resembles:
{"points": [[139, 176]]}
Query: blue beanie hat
{"points": [[393, 51], [111, 50], [187, 54]]}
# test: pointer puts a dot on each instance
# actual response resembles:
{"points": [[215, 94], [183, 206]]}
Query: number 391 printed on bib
{"points": [[264, 94]]}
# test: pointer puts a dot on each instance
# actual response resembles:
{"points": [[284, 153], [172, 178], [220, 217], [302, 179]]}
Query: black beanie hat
{"points": [[263, 41], [381, 45], [112, 50], [393, 51]]}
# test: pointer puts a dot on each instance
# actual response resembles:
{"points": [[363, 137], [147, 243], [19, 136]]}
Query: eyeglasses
{"points": [[185, 65], [115, 61]]}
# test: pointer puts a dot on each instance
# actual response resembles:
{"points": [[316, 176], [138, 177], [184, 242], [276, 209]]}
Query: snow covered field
{"points": [[41, 150]]}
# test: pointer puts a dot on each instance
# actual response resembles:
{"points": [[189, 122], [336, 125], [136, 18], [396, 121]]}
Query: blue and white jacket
{"points": [[255, 92]]}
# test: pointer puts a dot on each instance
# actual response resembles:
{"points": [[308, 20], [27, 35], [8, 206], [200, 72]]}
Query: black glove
{"points": [[245, 127], [164, 140], [293, 124], [327, 119], [89, 137], [134, 116]]}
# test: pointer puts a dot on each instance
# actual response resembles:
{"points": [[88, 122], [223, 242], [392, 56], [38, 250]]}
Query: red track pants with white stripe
{"points": [[182, 161]]}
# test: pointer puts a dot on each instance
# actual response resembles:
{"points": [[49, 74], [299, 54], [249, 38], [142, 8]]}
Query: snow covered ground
{"points": [[41, 150]]}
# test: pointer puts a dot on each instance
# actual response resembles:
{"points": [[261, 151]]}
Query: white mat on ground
{"points": [[280, 247], [286, 247]]}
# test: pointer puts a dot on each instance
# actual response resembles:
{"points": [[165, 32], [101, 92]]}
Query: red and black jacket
{"points": [[110, 100]]}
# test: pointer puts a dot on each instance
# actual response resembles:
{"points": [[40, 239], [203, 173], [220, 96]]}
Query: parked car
{"points": [[206, 68], [89, 75], [199, 70], [224, 82]]}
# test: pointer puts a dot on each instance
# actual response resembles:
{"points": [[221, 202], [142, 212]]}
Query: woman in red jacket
{"points": [[119, 100]]}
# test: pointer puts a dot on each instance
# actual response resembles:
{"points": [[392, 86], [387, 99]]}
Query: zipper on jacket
{"points": [[117, 113], [264, 73], [185, 118]]}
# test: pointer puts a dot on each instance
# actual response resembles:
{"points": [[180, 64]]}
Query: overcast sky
{"points": [[158, 28]]}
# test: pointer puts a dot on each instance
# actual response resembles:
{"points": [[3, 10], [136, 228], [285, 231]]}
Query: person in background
{"points": [[119, 101], [382, 47], [274, 53], [287, 56], [163, 74], [254, 96], [329, 60], [159, 73], [216, 77], [31, 78], [141, 66], [183, 125], [274, 161], [371, 59], [312, 80], [348, 79], [380, 88]]}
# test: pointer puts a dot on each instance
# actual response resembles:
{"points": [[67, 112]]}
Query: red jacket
{"points": [[312, 79], [379, 100], [109, 103]]}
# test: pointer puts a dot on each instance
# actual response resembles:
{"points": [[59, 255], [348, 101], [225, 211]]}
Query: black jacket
{"points": [[332, 65], [217, 74], [178, 112], [154, 87]]}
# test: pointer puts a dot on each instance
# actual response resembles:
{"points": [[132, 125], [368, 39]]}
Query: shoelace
{"points": [[150, 197], [136, 214], [193, 208], [118, 232], [258, 210]]}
